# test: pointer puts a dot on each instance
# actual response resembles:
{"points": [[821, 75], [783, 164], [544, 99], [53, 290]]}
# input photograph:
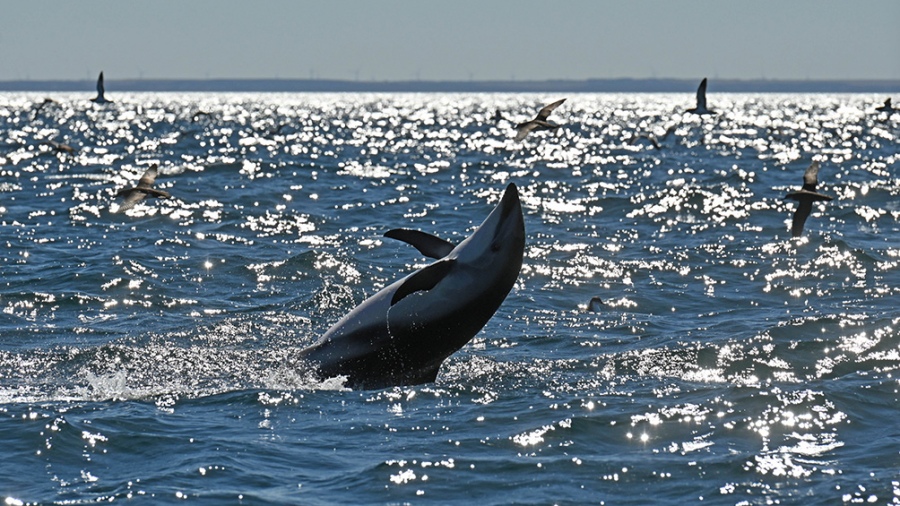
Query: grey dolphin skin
{"points": [[805, 197], [100, 98], [539, 122], [701, 108], [143, 189], [402, 334]]}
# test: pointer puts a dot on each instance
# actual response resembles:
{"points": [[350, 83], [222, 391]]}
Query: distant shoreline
{"points": [[550, 86]]}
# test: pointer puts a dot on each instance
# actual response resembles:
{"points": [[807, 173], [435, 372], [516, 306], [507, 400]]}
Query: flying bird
{"points": [[805, 198], [100, 99], [701, 108], [60, 147], [199, 114], [539, 122], [654, 140], [40, 107], [887, 107], [143, 189]]}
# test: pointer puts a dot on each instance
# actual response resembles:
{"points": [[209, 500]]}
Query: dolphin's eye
{"points": [[495, 246]]}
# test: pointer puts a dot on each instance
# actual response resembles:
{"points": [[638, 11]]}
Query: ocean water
{"points": [[150, 356]]}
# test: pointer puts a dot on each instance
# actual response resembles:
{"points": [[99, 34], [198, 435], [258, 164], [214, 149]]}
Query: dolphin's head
{"points": [[500, 240]]}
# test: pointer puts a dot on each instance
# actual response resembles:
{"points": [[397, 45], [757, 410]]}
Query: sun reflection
{"points": [[711, 316]]}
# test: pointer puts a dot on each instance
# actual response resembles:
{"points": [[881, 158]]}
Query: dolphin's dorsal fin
{"points": [[427, 244], [425, 279]]}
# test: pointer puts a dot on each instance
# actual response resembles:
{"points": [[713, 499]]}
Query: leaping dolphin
{"points": [[805, 198], [402, 334]]}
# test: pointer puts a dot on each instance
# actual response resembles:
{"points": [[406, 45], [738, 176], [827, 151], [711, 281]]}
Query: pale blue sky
{"points": [[450, 40]]}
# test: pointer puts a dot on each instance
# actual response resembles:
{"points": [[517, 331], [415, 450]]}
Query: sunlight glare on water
{"points": [[153, 352]]}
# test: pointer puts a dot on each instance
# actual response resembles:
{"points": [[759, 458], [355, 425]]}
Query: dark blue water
{"points": [[151, 354]]}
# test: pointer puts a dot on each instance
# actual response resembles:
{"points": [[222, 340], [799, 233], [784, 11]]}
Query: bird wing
{"points": [[800, 215], [668, 132], [41, 106], [132, 197], [524, 129], [544, 113], [148, 178], [701, 95]]}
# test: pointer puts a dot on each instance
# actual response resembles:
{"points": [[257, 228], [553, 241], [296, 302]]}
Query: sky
{"points": [[456, 40]]}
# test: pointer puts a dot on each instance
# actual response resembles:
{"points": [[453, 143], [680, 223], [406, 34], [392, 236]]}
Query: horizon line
{"points": [[621, 84]]}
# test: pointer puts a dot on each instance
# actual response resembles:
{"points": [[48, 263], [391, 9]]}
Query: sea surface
{"points": [[149, 356]]}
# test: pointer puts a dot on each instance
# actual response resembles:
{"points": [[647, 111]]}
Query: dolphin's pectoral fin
{"points": [[425, 279], [427, 244]]}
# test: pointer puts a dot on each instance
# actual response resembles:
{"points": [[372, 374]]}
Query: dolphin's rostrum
{"points": [[402, 334]]}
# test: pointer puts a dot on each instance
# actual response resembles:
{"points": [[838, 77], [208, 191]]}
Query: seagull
{"points": [[60, 147], [806, 196], [100, 99], [199, 114], [40, 107], [539, 122], [276, 130], [143, 189], [887, 107], [701, 101], [655, 141]]}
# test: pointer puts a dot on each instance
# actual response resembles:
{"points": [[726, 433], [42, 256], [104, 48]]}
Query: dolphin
{"points": [[805, 198], [701, 108], [402, 334], [539, 122], [100, 98]]}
